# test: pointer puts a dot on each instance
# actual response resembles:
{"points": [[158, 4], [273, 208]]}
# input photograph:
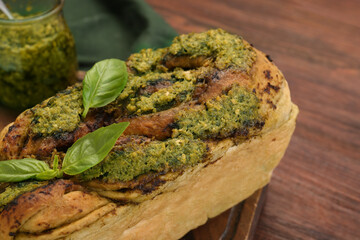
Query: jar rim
{"points": [[56, 9]]}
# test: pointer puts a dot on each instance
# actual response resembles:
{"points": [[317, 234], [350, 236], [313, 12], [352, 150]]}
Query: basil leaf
{"points": [[52, 173], [47, 175], [56, 162], [19, 170], [92, 148], [103, 83]]}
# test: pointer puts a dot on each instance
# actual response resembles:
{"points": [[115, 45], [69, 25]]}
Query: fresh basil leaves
{"points": [[51, 173], [82, 155], [92, 148], [103, 83], [20, 170]]}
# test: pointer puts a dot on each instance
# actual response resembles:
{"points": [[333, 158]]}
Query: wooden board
{"points": [[237, 223], [315, 191]]}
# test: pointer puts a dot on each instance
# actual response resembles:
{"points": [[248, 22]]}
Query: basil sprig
{"points": [[20, 170], [82, 155], [103, 83], [92, 148]]}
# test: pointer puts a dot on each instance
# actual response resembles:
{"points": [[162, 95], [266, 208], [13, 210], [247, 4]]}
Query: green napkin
{"points": [[114, 28]]}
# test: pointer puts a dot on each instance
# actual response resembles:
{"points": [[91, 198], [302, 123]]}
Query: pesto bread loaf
{"points": [[210, 118]]}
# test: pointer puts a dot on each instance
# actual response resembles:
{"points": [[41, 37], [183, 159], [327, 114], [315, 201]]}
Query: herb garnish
{"points": [[103, 83], [82, 155], [92, 148]]}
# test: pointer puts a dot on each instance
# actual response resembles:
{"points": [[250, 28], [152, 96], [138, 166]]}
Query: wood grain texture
{"points": [[315, 191]]}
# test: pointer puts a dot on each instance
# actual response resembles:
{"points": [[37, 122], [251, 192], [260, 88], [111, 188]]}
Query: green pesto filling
{"points": [[182, 86], [225, 50], [229, 50], [147, 60], [60, 114], [227, 113], [15, 190], [132, 161], [36, 61], [178, 92], [135, 83]]}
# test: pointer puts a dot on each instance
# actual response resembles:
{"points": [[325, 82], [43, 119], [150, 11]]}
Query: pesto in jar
{"points": [[37, 58]]}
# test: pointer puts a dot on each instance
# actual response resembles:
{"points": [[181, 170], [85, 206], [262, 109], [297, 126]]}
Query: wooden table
{"points": [[315, 191]]}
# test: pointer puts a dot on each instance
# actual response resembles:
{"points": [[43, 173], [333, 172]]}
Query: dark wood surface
{"points": [[315, 191], [239, 222]]}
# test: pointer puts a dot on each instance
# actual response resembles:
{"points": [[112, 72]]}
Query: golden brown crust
{"points": [[67, 209], [223, 82], [51, 207], [3, 133], [12, 137], [25, 206], [67, 230], [273, 91]]}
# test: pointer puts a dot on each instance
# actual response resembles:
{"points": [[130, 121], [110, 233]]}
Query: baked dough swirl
{"points": [[210, 117]]}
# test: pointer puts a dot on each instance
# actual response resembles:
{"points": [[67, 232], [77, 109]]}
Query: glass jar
{"points": [[37, 53]]}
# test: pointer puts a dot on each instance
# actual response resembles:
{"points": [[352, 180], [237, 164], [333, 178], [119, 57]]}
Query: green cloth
{"points": [[114, 28]]}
